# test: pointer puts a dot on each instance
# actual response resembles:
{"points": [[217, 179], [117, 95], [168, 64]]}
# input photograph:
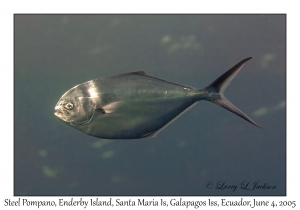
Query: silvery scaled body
{"points": [[136, 105]]}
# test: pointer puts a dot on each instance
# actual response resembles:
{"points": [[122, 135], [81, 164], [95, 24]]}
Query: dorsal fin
{"points": [[142, 73]]}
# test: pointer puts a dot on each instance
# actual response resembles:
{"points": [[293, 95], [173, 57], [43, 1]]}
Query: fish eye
{"points": [[69, 106]]}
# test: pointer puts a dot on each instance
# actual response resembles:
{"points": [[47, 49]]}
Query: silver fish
{"points": [[136, 105]]}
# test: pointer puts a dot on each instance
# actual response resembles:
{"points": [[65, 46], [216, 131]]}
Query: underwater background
{"points": [[205, 151]]}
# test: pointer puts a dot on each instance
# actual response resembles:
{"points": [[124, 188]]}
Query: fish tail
{"points": [[215, 91]]}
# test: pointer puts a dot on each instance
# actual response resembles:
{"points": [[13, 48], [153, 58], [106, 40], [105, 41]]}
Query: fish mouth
{"points": [[59, 111]]}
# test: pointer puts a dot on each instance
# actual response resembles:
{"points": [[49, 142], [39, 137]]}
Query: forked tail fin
{"points": [[216, 91]]}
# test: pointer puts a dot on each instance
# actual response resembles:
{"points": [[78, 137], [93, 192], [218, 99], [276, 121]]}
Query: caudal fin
{"points": [[216, 91]]}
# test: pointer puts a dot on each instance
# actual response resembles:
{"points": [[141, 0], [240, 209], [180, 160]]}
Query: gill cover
{"points": [[83, 111]]}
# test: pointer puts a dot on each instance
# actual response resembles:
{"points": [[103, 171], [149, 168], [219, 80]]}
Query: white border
{"points": [[8, 8]]}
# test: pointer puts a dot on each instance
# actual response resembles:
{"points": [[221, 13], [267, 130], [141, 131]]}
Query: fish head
{"points": [[74, 108]]}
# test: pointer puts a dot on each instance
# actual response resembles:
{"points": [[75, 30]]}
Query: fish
{"points": [[136, 105]]}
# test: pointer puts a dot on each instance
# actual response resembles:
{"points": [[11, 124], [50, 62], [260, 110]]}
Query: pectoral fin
{"points": [[109, 108]]}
